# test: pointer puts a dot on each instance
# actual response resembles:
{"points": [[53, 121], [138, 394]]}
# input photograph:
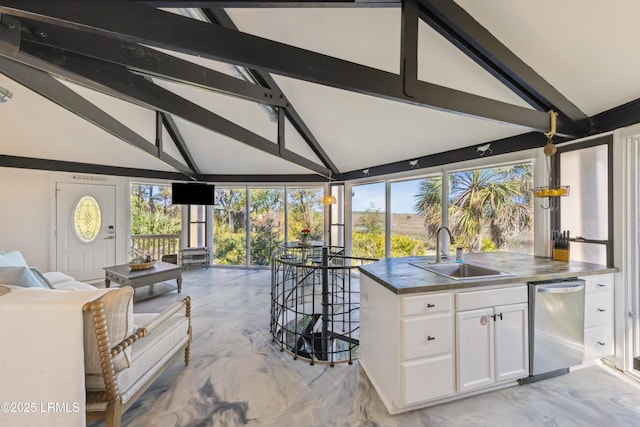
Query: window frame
{"points": [[556, 205], [482, 162]]}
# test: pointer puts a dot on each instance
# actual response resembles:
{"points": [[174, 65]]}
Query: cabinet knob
{"points": [[430, 305], [601, 310], [601, 343], [429, 338], [600, 285]]}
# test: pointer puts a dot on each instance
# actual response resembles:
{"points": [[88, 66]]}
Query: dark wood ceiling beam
{"points": [[133, 86], [141, 24], [175, 135], [615, 118], [50, 88], [409, 46], [89, 168], [274, 4], [512, 144], [147, 61], [220, 17], [92, 168], [463, 31]]}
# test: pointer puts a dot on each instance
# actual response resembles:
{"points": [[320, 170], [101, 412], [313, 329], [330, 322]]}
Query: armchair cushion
{"points": [[118, 307], [148, 354], [20, 276]]}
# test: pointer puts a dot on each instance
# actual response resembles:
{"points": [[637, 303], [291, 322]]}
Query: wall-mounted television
{"points": [[192, 194]]}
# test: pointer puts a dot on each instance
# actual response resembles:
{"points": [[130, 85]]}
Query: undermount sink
{"points": [[458, 271]]}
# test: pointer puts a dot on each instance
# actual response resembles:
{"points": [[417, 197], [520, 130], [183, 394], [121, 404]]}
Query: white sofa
{"points": [[12, 269], [47, 333]]}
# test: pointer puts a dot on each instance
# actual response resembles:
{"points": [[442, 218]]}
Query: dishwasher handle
{"points": [[560, 288]]}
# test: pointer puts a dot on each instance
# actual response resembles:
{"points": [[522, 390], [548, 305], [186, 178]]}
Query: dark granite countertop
{"points": [[401, 277]]}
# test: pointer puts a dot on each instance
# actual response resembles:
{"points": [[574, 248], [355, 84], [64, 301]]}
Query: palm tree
{"points": [[493, 203], [428, 203]]}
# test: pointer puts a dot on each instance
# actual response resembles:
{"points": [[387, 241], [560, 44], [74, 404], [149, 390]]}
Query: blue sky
{"points": [[402, 196]]}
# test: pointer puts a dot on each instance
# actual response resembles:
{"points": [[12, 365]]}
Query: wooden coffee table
{"points": [[125, 276]]}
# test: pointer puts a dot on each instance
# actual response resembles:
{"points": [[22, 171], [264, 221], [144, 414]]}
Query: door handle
{"points": [[560, 289]]}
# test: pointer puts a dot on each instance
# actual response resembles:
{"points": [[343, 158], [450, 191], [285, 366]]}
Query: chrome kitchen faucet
{"points": [[452, 241]]}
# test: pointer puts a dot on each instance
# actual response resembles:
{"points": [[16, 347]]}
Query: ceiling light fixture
{"points": [[551, 189], [329, 199], [5, 94]]}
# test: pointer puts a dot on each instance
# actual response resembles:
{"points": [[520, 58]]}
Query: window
{"points": [[197, 236], [230, 226], [155, 223], [586, 212], [267, 223], [492, 208], [368, 220], [87, 219], [305, 211], [336, 216], [416, 214]]}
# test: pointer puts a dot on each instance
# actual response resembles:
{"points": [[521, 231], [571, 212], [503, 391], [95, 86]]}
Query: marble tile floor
{"points": [[238, 376]]}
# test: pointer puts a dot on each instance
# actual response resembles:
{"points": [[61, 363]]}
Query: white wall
{"points": [[28, 217], [26, 213]]}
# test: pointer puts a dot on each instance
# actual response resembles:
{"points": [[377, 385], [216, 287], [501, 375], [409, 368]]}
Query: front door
{"points": [[85, 229]]}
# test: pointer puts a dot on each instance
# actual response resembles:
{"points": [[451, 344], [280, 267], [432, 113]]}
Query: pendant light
{"points": [[329, 199], [549, 151]]}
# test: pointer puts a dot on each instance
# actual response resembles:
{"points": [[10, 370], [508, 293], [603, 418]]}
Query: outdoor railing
{"points": [[315, 303], [155, 245]]}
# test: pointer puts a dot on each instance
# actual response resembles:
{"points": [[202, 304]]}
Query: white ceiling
{"points": [[584, 49]]}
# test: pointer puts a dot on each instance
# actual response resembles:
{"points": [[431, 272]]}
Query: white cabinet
{"points": [[598, 316], [407, 345], [492, 341], [426, 331]]}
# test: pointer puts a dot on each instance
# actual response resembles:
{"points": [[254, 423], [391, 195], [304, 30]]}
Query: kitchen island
{"points": [[426, 338]]}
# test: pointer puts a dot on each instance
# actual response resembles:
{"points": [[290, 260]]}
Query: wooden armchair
{"points": [[116, 374]]}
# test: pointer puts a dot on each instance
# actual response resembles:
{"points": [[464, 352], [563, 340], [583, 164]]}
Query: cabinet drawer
{"points": [[473, 300], [598, 309], [598, 342], [599, 283], [426, 380], [426, 336], [427, 303]]}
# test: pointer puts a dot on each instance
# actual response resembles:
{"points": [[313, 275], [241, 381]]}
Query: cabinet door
{"points": [[511, 342], [427, 379], [474, 331]]}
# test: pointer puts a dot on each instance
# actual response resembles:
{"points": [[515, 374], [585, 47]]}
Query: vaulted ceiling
{"points": [[248, 90]]}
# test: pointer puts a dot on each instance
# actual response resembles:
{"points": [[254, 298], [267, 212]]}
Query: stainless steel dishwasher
{"points": [[556, 327]]}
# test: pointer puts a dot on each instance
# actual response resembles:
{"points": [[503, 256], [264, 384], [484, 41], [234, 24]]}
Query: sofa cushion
{"points": [[118, 307], [74, 286], [56, 277], [20, 276], [12, 259]]}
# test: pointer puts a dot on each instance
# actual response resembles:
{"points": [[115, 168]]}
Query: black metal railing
{"points": [[155, 245], [315, 303]]}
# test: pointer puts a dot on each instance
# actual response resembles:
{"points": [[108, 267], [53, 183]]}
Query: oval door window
{"points": [[87, 219]]}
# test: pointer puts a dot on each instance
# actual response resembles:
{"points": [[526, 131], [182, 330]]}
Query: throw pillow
{"points": [[4, 290], [20, 276], [118, 308], [12, 259], [41, 277]]}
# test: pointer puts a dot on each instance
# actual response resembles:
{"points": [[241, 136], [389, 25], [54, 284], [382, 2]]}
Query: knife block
{"points": [[560, 254]]}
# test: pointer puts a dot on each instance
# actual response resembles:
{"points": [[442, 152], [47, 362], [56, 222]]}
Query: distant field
{"points": [[407, 224]]}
